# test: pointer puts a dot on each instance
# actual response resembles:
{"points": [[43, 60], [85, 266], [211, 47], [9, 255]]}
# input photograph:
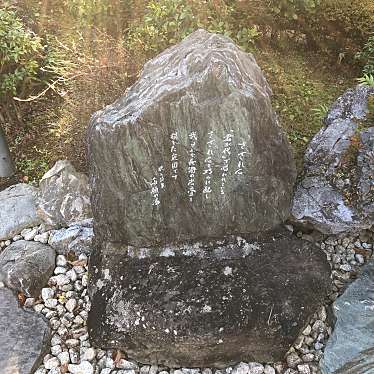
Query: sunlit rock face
{"points": [[193, 150]]}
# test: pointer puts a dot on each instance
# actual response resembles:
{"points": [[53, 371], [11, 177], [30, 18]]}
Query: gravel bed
{"points": [[65, 303]]}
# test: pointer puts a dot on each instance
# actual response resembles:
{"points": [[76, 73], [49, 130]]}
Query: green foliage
{"points": [[366, 56], [20, 52], [367, 80], [291, 9], [321, 111], [166, 22]]}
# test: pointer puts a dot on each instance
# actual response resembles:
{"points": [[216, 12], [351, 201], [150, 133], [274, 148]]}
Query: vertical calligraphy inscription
{"points": [[174, 155], [208, 171], [155, 192], [241, 156], [192, 165], [226, 156]]}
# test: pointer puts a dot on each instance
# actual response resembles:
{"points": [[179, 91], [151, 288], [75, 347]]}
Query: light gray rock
{"points": [[350, 349], [64, 196], [26, 266], [196, 149], [17, 210], [24, 337], [83, 368], [76, 238], [336, 192]]}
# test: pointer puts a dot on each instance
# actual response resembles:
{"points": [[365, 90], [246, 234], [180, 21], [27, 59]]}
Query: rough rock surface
{"points": [[17, 210], [25, 266], [76, 238], [350, 348], [193, 150], [336, 193], [24, 337], [206, 306], [64, 196]]}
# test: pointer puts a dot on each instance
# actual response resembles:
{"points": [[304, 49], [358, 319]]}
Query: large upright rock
{"points": [[336, 192], [350, 349], [64, 196], [24, 337], [192, 150], [17, 210]]}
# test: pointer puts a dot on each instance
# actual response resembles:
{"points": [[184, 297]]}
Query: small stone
{"points": [[42, 238], [56, 350], [55, 371], [89, 355], [322, 314], [60, 270], [144, 369], [29, 234], [309, 357], [70, 343], [106, 371], [127, 365], [7, 243], [293, 360], [52, 363], [269, 370], [47, 293], [154, 369], [241, 368], [74, 356], [307, 330], [17, 237], [51, 303], [346, 267], [61, 260], [109, 363], [64, 358], [303, 369], [83, 368], [29, 302], [70, 305], [318, 326], [360, 258], [207, 371], [255, 368], [72, 275], [60, 280]]}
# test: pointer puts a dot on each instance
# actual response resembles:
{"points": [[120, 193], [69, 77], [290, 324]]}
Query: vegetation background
{"points": [[62, 60]]}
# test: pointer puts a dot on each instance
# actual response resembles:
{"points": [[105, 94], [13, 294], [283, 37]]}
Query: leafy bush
{"points": [[20, 52], [166, 22], [366, 56]]}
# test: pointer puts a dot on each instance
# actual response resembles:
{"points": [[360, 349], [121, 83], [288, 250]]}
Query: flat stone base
{"points": [[211, 306]]}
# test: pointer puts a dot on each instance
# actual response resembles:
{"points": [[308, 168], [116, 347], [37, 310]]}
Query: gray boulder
{"points": [[193, 150], [24, 337], [26, 266], [211, 304], [350, 349], [336, 192], [77, 238], [17, 210], [64, 196]]}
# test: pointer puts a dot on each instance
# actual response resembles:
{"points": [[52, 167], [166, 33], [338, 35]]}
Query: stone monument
{"points": [[191, 178]]}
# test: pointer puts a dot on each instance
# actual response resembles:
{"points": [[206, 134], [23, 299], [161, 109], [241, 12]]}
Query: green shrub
{"points": [[166, 22], [366, 56], [20, 52]]}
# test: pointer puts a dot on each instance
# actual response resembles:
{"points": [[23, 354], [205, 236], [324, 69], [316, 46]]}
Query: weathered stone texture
{"points": [[350, 349], [17, 210], [64, 196], [205, 87], [25, 266], [24, 337], [336, 193], [207, 305]]}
